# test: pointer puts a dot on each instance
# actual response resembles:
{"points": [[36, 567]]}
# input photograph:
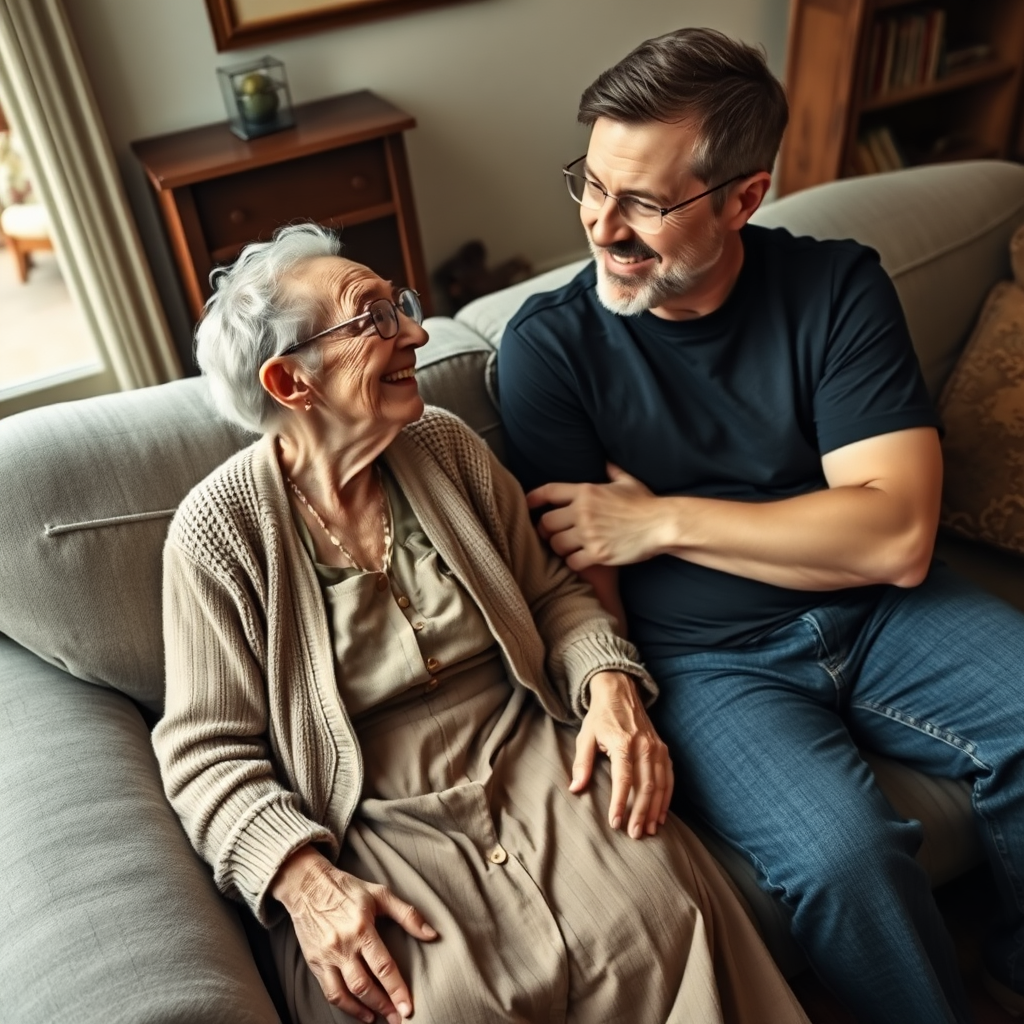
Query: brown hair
{"points": [[724, 86]]}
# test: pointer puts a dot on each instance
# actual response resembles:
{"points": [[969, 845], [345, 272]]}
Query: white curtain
{"points": [[48, 100]]}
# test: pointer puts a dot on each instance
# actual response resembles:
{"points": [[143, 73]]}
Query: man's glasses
{"points": [[382, 314], [637, 213]]}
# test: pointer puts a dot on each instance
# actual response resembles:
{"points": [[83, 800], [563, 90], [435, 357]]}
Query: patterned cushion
{"points": [[982, 408]]}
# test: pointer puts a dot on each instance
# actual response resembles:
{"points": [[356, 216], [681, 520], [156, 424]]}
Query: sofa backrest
{"points": [[942, 232], [89, 489]]}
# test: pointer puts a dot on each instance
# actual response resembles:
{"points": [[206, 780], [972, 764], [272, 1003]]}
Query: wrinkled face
{"points": [[366, 382], [638, 271]]}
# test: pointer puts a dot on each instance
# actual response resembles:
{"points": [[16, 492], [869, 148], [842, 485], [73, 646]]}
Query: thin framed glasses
{"points": [[637, 213], [382, 314]]}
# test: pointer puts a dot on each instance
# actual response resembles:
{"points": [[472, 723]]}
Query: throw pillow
{"points": [[982, 407]]}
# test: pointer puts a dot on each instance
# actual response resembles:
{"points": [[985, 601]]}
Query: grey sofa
{"points": [[108, 916]]}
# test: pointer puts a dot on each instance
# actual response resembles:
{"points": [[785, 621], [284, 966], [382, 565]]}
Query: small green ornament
{"points": [[257, 98]]}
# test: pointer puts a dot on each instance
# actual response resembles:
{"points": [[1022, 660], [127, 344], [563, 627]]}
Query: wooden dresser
{"points": [[342, 165]]}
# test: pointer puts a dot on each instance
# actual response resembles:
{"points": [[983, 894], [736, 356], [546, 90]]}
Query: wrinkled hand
{"points": [[617, 725], [599, 524], [334, 915]]}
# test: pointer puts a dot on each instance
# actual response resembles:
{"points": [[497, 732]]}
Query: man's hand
{"points": [[616, 523], [617, 725], [875, 522], [334, 915]]}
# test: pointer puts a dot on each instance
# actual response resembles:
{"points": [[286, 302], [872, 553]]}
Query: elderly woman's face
{"points": [[366, 380]]}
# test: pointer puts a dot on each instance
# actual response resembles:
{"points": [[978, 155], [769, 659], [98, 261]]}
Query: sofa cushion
{"points": [[452, 372], [982, 410], [108, 915], [89, 489], [488, 315], [25, 221]]}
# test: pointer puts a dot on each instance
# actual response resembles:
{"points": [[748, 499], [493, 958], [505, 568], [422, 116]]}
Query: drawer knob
{"points": [[358, 182], [236, 216]]}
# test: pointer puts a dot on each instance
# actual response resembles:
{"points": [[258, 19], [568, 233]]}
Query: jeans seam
{"points": [[999, 844], [921, 725], [831, 665]]}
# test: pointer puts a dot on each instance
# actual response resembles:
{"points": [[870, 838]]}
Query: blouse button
{"points": [[431, 684], [403, 602], [433, 664], [418, 625], [497, 856]]}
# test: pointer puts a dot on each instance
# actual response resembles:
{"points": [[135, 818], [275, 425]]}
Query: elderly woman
{"points": [[379, 685]]}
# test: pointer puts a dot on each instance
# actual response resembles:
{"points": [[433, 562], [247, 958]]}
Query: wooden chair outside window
{"points": [[24, 224]]}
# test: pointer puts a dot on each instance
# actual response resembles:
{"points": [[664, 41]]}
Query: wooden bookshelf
{"points": [[935, 81]]}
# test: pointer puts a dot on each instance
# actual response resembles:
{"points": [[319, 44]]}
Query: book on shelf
{"points": [[905, 51], [894, 158], [965, 56], [910, 30], [889, 52], [935, 40], [875, 56], [863, 161], [876, 150]]}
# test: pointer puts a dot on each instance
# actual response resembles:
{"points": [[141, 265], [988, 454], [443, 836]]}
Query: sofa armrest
{"points": [[108, 914]]}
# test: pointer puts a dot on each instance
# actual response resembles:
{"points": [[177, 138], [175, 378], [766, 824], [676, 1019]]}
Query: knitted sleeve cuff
{"points": [[594, 653], [260, 843]]}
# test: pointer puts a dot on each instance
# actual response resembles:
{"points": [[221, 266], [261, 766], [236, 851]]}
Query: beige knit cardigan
{"points": [[257, 753]]}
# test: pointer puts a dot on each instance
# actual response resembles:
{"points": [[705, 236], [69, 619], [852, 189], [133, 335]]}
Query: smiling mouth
{"points": [[406, 374], [626, 260], [626, 253]]}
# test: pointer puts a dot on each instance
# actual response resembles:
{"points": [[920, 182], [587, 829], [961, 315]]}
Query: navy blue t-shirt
{"points": [[809, 353]]}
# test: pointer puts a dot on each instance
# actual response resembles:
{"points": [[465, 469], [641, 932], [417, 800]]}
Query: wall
{"points": [[493, 85]]}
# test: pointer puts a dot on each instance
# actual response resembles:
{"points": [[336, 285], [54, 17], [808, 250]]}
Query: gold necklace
{"points": [[385, 519]]}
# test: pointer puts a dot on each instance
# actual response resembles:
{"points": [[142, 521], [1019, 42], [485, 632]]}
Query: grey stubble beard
{"points": [[655, 289]]}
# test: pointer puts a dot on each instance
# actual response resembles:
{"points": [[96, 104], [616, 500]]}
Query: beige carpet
{"points": [[42, 333]]}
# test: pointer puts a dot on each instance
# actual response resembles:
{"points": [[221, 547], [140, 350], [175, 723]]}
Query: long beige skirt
{"points": [[544, 913]]}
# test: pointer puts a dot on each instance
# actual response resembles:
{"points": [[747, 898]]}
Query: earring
{"points": [[308, 404]]}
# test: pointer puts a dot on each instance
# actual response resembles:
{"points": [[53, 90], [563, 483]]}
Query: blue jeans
{"points": [[764, 741]]}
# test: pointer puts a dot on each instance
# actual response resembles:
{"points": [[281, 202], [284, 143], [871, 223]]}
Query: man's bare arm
{"points": [[875, 523]]}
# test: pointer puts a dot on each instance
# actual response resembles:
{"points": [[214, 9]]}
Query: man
{"points": [[728, 429]]}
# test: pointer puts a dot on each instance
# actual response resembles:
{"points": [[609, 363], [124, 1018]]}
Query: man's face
{"points": [[638, 271]]}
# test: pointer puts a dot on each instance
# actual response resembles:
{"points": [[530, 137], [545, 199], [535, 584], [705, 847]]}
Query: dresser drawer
{"points": [[247, 206]]}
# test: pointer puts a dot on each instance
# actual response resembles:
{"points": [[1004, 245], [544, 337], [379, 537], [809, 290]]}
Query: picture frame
{"points": [[240, 23]]}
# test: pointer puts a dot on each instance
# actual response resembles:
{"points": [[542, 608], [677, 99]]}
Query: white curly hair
{"points": [[250, 318]]}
